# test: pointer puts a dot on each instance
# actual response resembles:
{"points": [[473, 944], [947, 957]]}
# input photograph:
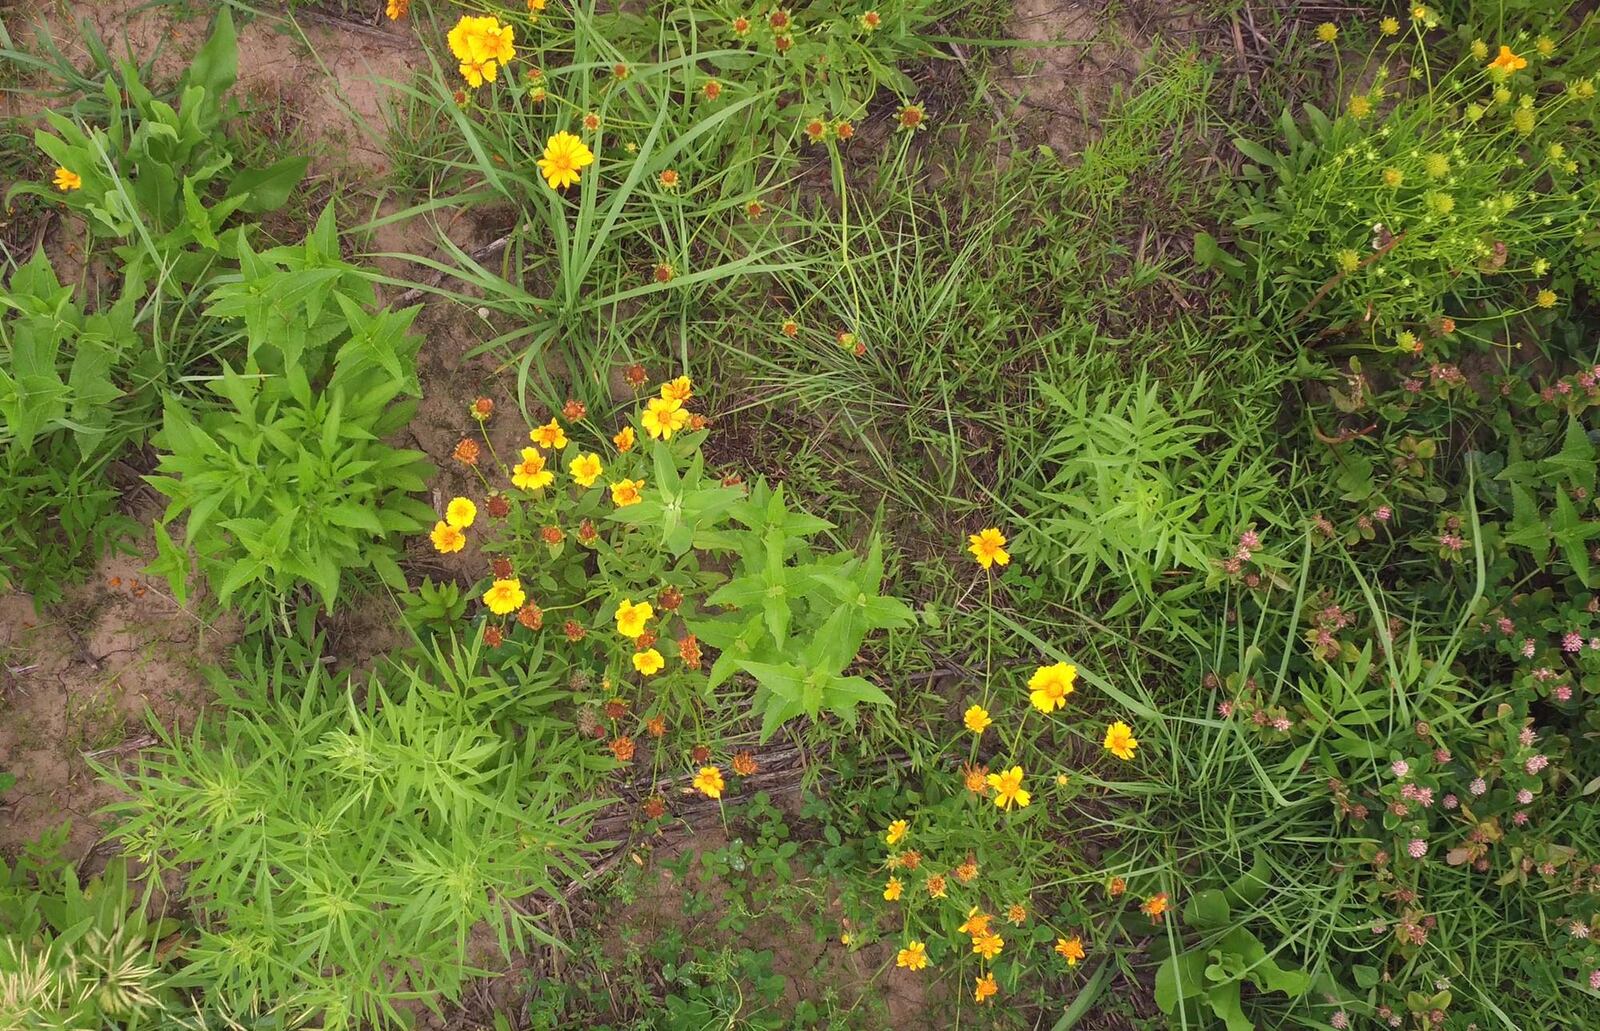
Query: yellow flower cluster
{"points": [[449, 533], [481, 45]]}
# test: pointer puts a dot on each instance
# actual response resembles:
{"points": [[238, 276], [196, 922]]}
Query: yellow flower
{"points": [[892, 890], [624, 439], [504, 596], [709, 781], [482, 39], [679, 390], [460, 513], [1388, 26], [396, 9], [1070, 949], [530, 473], [478, 72], [586, 469], [988, 547], [627, 492], [1545, 299], [550, 435], [1120, 741], [1393, 177], [966, 872], [977, 923], [663, 418], [565, 157], [1008, 788], [1507, 62], [1049, 686], [1327, 32], [648, 662], [1545, 46], [631, 618], [447, 538], [1347, 260], [988, 945], [896, 832], [985, 988], [1419, 13], [1360, 107], [66, 179], [1155, 905], [1480, 50], [976, 719], [913, 957], [1016, 913]]}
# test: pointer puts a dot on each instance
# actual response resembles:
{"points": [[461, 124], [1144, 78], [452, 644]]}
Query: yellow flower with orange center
{"points": [[662, 418], [988, 547], [631, 618], [627, 492], [460, 513], [680, 390], [709, 781], [564, 159], [624, 439], [586, 469], [447, 538], [1070, 949], [913, 957], [892, 890], [648, 662], [976, 719], [504, 596], [985, 988], [1049, 686], [66, 179], [1507, 62], [530, 473], [896, 832], [977, 924], [550, 435], [1120, 741], [988, 945], [1008, 789]]}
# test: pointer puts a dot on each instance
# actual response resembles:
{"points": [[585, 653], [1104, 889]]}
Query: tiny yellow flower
{"points": [[1070, 949], [988, 945], [627, 492], [1360, 107], [988, 547], [1388, 26], [1016, 913], [1545, 46], [663, 418], [1507, 62], [1545, 299], [709, 781], [565, 157], [976, 719], [1393, 178], [1049, 686], [632, 618], [680, 390], [550, 435], [913, 957], [460, 513], [1327, 32], [977, 923], [985, 988], [504, 596], [530, 473], [586, 469], [1436, 165], [1347, 260], [1120, 741], [892, 890], [896, 832], [1008, 789], [624, 439], [66, 179], [447, 538], [648, 662], [1480, 50]]}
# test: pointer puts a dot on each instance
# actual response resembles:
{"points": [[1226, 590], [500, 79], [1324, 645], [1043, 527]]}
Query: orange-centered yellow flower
{"points": [[648, 662], [988, 547], [709, 781], [447, 538], [663, 418], [66, 179], [1120, 741], [679, 390], [977, 923], [565, 157], [550, 435], [988, 945], [1049, 686], [1070, 949], [631, 618], [504, 596], [976, 719], [1008, 789], [1507, 62], [627, 492], [1154, 906], [460, 513], [586, 469], [913, 957], [892, 890], [896, 832], [624, 439], [530, 473], [985, 988]]}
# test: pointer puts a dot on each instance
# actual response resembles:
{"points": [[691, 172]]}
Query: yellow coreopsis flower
{"points": [[1507, 62], [648, 662], [1049, 686], [709, 781], [627, 492], [892, 890], [631, 618], [565, 157], [662, 418], [447, 538], [976, 719], [988, 945], [985, 988], [1070, 949], [460, 513], [550, 435], [913, 957], [977, 924], [476, 73], [504, 596], [1120, 741], [66, 179], [896, 832], [1008, 789], [624, 439], [988, 547], [586, 469], [530, 473], [679, 390]]}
